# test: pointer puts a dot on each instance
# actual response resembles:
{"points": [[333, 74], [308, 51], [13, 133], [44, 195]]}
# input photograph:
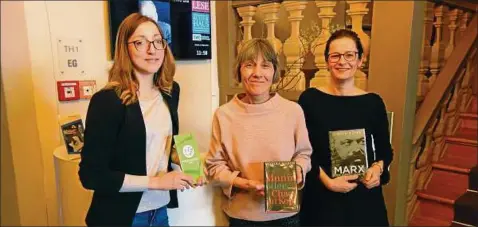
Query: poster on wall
{"points": [[201, 28], [186, 24], [72, 130]]}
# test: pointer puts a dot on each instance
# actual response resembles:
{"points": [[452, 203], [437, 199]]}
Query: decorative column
{"points": [[458, 24], [452, 110], [357, 10], [466, 84], [326, 14], [426, 51], [270, 11], [246, 13], [294, 78], [464, 22], [437, 46], [453, 15]]}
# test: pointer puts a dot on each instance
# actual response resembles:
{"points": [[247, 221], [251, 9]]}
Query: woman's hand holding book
{"points": [[342, 184], [372, 176], [173, 180], [249, 185]]}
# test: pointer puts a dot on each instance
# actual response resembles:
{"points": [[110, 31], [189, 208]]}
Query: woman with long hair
{"points": [[126, 159]]}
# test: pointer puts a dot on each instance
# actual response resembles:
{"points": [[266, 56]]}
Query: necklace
{"points": [[153, 94]]}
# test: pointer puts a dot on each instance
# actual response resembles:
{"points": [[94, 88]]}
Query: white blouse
{"points": [[157, 120]]}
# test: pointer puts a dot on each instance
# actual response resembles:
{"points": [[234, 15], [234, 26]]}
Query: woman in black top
{"points": [[126, 159], [338, 107]]}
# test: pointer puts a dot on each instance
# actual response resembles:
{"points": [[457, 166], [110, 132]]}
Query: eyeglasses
{"points": [[142, 45], [348, 56]]}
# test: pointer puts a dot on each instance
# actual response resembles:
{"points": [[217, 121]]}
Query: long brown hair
{"points": [[121, 77]]}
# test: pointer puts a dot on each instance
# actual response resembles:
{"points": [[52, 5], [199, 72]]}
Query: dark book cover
{"points": [[281, 194], [348, 152], [73, 131]]}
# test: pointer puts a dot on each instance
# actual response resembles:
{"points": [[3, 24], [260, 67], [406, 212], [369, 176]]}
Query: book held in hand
{"points": [[348, 152], [189, 156], [281, 194], [73, 133]]}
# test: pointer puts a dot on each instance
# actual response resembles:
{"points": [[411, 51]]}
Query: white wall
{"points": [[48, 21], [198, 101]]}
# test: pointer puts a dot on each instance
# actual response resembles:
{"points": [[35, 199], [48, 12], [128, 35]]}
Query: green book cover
{"points": [[348, 152], [189, 156], [281, 194]]}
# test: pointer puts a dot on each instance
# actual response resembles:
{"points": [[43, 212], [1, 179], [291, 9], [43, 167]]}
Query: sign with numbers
{"points": [[70, 57]]}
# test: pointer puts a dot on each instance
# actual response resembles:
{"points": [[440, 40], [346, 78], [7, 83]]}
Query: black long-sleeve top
{"points": [[323, 113], [115, 145]]}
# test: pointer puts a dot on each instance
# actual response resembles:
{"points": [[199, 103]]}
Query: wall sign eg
{"points": [[71, 84]]}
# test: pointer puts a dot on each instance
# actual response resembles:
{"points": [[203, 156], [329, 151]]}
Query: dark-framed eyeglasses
{"points": [[142, 45], [348, 56]]}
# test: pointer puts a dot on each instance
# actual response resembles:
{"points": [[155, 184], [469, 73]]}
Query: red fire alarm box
{"points": [[68, 90], [87, 88]]}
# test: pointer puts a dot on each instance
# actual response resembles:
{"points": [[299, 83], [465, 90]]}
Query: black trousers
{"points": [[289, 221], [360, 207]]}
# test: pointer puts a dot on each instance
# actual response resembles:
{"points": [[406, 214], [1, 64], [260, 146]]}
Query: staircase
{"points": [[450, 198]]}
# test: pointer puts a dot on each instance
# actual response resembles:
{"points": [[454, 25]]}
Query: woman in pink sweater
{"points": [[254, 127]]}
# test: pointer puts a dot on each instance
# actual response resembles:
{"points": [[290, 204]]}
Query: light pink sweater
{"points": [[243, 137]]}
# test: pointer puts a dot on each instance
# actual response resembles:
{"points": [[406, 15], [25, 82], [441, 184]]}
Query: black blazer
{"points": [[115, 144]]}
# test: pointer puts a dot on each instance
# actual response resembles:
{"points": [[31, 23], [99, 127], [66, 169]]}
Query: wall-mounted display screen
{"points": [[186, 24]]}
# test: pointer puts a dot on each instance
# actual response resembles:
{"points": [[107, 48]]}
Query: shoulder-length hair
{"points": [[249, 52], [121, 77]]}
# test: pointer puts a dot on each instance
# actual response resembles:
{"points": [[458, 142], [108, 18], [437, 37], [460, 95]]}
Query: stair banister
{"points": [[443, 82]]}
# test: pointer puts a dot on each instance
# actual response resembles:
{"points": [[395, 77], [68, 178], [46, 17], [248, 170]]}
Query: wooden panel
{"points": [[226, 42], [466, 5]]}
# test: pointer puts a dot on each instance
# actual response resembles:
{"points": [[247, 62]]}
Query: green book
{"points": [[348, 152], [281, 192], [189, 156]]}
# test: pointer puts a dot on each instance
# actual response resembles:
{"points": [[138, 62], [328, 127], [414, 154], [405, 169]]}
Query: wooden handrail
{"points": [[443, 82], [461, 4], [241, 3]]}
